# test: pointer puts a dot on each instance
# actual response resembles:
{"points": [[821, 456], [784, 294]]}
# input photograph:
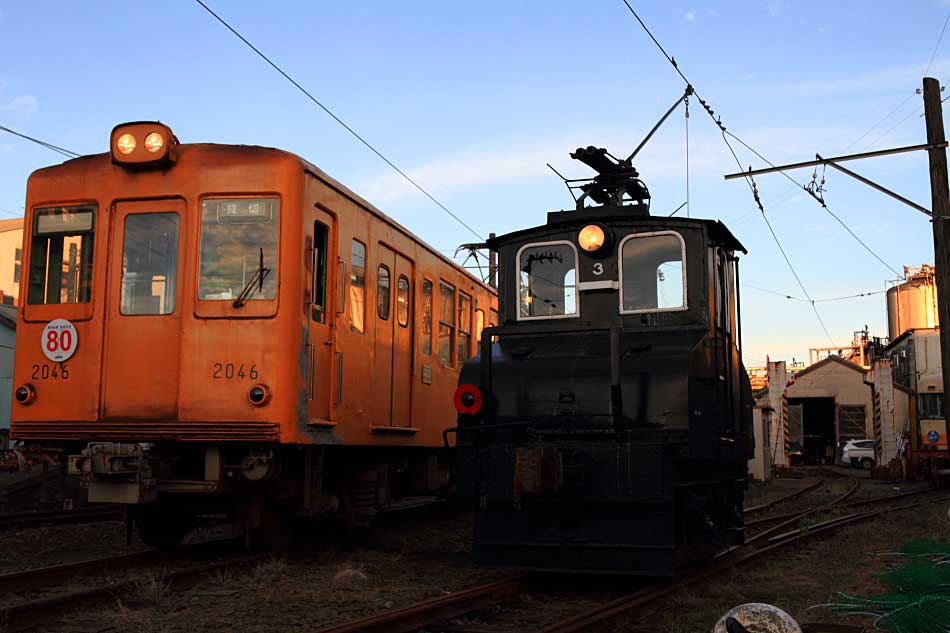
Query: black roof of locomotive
{"points": [[629, 214]]}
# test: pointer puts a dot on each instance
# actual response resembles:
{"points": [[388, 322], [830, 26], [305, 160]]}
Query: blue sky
{"points": [[472, 99]]}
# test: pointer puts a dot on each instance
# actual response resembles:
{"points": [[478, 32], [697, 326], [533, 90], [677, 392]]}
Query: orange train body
{"points": [[353, 339]]}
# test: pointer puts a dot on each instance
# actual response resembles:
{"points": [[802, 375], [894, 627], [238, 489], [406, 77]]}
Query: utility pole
{"points": [[492, 265], [940, 205]]}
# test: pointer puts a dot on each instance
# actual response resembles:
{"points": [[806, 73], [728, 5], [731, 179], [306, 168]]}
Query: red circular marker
{"points": [[476, 400]]}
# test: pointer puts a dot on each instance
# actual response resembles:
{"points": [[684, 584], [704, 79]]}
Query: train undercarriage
{"points": [[261, 489]]}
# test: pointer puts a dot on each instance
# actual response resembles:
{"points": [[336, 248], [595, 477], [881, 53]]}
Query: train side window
{"points": [[318, 263], [465, 327], [446, 324], [357, 285], [402, 301], [652, 272], [479, 325], [149, 264], [61, 255], [427, 317], [382, 292], [547, 280]]}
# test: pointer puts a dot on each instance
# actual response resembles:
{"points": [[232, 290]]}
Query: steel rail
{"points": [[583, 621], [850, 504], [37, 613], [80, 515], [775, 502], [46, 577], [422, 614], [798, 516]]}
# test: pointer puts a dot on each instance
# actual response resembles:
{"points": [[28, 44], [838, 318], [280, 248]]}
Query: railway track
{"points": [[46, 610], [430, 612], [58, 517], [774, 502]]}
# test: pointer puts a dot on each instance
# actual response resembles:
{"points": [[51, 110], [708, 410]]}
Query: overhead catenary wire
{"points": [[340, 121], [749, 181], [60, 150], [784, 295]]}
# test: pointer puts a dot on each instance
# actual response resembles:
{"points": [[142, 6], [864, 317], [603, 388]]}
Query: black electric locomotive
{"points": [[606, 424]]}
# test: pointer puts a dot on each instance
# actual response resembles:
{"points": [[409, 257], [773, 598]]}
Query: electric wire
{"points": [[937, 47], [748, 180], [874, 127], [339, 120], [61, 150], [821, 201], [777, 293]]}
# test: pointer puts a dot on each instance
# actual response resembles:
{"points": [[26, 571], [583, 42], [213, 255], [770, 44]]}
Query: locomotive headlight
{"points": [[591, 238], [154, 142], [125, 144]]}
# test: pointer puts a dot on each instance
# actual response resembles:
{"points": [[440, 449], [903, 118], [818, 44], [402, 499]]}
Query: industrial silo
{"points": [[913, 303]]}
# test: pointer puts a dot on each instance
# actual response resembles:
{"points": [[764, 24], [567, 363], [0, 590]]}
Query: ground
{"points": [[424, 554]]}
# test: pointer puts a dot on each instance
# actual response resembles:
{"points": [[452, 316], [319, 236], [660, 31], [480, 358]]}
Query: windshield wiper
{"points": [[257, 278]]}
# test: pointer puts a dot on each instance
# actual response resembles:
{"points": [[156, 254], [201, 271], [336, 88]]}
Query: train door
{"points": [[392, 396], [143, 310], [320, 264]]}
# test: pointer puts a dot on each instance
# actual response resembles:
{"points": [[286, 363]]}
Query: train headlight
{"points": [[143, 144], [154, 142], [125, 144], [468, 399], [25, 394], [591, 238], [259, 395]]}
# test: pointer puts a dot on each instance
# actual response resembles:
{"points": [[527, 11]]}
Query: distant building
{"points": [[11, 243]]}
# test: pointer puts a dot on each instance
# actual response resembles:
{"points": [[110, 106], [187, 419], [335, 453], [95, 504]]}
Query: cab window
{"points": [[547, 281], [652, 272], [238, 242], [61, 255]]}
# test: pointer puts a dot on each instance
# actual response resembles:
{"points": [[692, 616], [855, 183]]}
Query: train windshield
{"points": [[234, 233], [547, 276], [652, 272], [61, 255]]}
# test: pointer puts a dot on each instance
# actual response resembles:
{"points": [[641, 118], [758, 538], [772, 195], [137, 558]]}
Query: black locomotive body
{"points": [[606, 424]]}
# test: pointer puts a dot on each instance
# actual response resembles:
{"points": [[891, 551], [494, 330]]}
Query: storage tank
{"points": [[913, 303]]}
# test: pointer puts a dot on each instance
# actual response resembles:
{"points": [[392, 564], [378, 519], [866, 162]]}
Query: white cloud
{"points": [[24, 104], [774, 7], [3, 83], [907, 77], [6, 148], [690, 16]]}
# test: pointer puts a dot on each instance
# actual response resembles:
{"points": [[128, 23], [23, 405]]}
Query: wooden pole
{"points": [[940, 195]]}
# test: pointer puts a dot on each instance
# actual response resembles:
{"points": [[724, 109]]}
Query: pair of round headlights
{"points": [[154, 142]]}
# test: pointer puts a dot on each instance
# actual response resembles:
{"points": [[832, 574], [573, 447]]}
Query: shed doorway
{"points": [[818, 429]]}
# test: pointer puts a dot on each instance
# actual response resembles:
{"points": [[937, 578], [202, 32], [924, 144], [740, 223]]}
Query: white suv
{"points": [[858, 452]]}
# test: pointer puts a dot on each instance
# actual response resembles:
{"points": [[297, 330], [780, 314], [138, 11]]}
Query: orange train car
{"points": [[220, 329]]}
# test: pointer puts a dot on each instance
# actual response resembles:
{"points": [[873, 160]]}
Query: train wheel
{"points": [[159, 526]]}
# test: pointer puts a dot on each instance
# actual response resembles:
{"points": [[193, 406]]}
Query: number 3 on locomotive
{"points": [[59, 340], [598, 268]]}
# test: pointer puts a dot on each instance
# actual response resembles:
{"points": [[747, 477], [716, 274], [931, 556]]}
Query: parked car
{"points": [[858, 453]]}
